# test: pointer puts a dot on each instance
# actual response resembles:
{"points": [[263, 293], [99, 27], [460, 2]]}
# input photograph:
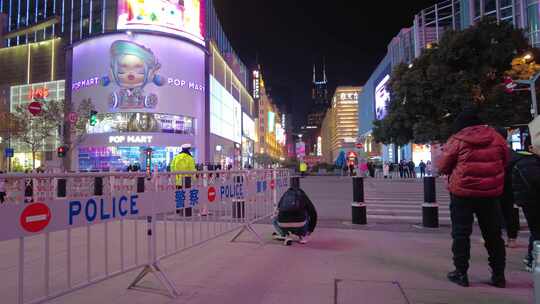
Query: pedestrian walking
{"points": [[386, 170], [475, 158], [303, 168], [371, 169], [401, 169], [511, 222], [422, 167], [526, 188], [429, 168], [2, 189], [412, 169], [351, 168]]}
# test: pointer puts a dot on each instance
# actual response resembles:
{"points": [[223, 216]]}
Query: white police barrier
{"points": [[66, 237]]}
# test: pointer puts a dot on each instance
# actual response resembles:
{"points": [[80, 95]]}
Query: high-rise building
{"points": [[320, 90], [340, 126]]}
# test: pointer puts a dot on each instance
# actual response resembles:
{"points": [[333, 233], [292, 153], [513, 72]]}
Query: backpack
{"points": [[292, 207]]}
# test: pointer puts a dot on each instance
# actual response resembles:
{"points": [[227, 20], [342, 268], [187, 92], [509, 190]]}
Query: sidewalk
{"points": [[336, 266]]}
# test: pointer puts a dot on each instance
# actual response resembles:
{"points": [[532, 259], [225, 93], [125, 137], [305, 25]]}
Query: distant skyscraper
{"points": [[320, 90]]}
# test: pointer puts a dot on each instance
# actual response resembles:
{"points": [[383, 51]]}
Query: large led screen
{"points": [[139, 73], [382, 97], [179, 17], [248, 126], [225, 113]]}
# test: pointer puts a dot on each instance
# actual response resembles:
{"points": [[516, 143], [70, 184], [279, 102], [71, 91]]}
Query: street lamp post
{"points": [[532, 87]]}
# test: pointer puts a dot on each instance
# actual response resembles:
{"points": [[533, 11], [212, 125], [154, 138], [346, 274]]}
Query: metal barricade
{"points": [[78, 229]]}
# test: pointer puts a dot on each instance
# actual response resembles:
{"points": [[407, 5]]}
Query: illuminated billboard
{"points": [[179, 17], [382, 97], [139, 73], [271, 121], [225, 113], [280, 134], [248, 126]]}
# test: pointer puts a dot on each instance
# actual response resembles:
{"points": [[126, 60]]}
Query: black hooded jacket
{"points": [[308, 211], [526, 178]]}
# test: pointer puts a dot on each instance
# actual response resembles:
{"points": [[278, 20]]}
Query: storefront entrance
{"points": [[119, 158]]}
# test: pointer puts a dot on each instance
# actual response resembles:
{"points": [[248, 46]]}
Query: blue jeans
{"points": [[302, 231]]}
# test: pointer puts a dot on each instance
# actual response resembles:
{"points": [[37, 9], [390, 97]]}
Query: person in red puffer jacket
{"points": [[475, 158]]}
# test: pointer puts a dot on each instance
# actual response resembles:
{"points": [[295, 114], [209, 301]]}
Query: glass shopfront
{"points": [[119, 158]]}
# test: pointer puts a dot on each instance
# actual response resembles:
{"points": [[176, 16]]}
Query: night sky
{"points": [[289, 36]]}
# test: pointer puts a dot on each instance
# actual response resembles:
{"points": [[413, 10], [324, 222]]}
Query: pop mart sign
{"points": [[130, 139]]}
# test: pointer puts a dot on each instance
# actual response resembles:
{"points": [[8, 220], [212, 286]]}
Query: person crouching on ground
{"points": [[526, 187], [296, 215], [475, 158]]}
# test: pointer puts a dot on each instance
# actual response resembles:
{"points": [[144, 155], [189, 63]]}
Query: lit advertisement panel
{"points": [[271, 122], [179, 17], [225, 113], [139, 73], [248, 126], [382, 97], [300, 149], [280, 134]]}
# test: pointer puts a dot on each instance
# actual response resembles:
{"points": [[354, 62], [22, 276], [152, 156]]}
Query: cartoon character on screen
{"points": [[133, 66]]}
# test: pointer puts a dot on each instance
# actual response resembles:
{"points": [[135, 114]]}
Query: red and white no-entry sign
{"points": [[272, 184], [35, 108], [35, 217], [211, 194]]}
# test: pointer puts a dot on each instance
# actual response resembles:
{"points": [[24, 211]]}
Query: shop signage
{"points": [[130, 139], [9, 152], [38, 93], [35, 108], [256, 85]]}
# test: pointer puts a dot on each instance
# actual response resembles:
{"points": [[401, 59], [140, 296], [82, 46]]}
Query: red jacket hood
{"points": [[476, 135]]}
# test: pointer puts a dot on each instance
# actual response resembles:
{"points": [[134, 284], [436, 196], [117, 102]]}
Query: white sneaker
{"points": [[304, 239]]}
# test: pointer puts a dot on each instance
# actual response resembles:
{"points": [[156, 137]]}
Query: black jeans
{"points": [[462, 211], [532, 214]]}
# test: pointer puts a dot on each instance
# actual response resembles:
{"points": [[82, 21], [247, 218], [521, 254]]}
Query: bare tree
{"points": [[34, 131]]}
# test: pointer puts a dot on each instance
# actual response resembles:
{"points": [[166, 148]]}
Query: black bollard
{"points": [[140, 184], [98, 186], [359, 212], [238, 209], [430, 208], [295, 182], [61, 189]]}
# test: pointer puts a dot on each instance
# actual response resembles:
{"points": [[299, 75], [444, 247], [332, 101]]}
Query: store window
{"points": [[532, 13], [119, 158]]}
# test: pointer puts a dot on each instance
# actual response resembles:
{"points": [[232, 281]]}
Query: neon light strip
{"points": [[28, 65], [45, 16], [52, 60], [63, 3], [27, 16], [90, 25], [71, 27], [103, 9], [9, 22], [54, 13], [81, 20], [18, 18], [35, 20]]}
